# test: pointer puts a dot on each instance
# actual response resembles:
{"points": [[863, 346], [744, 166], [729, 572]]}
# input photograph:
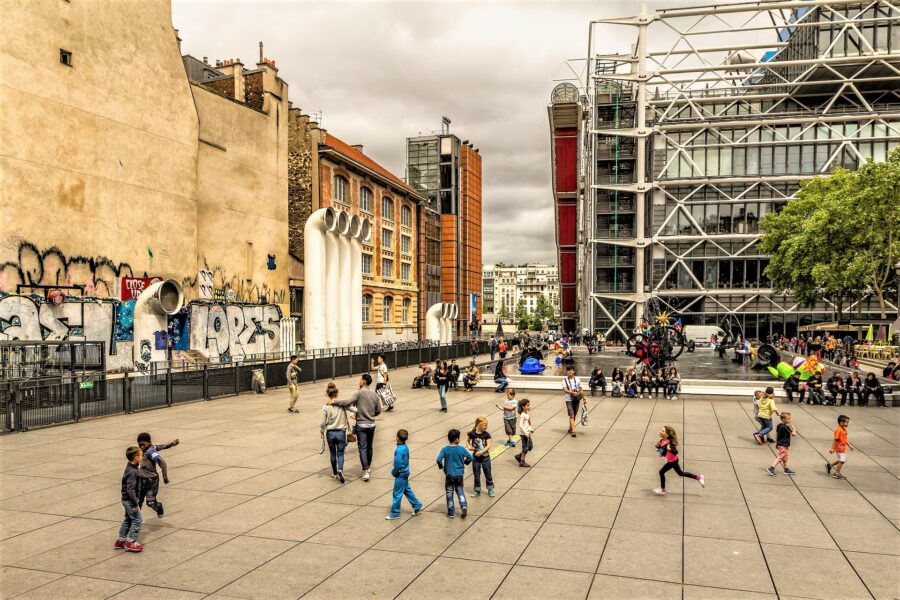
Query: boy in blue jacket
{"points": [[400, 471], [453, 460]]}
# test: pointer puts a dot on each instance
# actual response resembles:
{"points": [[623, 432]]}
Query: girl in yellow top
{"points": [[764, 413]]}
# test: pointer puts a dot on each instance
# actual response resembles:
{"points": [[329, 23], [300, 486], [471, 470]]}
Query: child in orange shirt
{"points": [[840, 447]]}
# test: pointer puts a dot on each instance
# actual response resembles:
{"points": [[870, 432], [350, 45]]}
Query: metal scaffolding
{"points": [[687, 148]]}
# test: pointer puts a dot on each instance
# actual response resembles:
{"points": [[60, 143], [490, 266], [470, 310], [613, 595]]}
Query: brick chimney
{"points": [[358, 148], [235, 68]]}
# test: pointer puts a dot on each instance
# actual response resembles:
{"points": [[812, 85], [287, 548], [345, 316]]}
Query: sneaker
{"points": [[160, 511], [491, 493], [119, 545], [451, 516], [574, 434], [522, 463], [659, 492], [828, 468], [463, 512], [771, 471], [770, 440], [512, 444], [674, 397], [391, 517], [417, 511], [476, 493], [133, 547], [366, 475], [758, 438], [443, 410], [340, 476], [838, 476], [701, 481], [790, 472], [518, 458]]}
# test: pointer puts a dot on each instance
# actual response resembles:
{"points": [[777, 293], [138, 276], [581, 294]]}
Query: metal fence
{"points": [[47, 394]]}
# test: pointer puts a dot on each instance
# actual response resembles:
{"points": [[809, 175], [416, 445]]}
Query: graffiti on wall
{"points": [[51, 267], [76, 318], [235, 288], [234, 331]]}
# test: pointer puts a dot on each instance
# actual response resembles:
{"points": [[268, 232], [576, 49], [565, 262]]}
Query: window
{"points": [[365, 200], [367, 264], [388, 308], [405, 269], [405, 216], [406, 304], [387, 209], [341, 190], [366, 308], [405, 243], [65, 57], [387, 268], [387, 239]]}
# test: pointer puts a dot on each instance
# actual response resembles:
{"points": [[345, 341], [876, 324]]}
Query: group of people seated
{"points": [[633, 384], [447, 372], [851, 388]]}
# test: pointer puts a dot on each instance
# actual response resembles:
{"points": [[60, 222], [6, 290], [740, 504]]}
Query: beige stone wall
{"points": [[242, 197], [97, 159]]}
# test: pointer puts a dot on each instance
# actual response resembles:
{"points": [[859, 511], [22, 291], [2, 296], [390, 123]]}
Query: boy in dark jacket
{"points": [[453, 460], [151, 458], [400, 471], [131, 501]]}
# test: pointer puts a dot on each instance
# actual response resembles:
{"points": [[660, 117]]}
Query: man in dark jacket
{"points": [[793, 385], [131, 501], [368, 406]]}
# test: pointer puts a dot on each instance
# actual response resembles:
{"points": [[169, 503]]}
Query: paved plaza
{"points": [[252, 511]]}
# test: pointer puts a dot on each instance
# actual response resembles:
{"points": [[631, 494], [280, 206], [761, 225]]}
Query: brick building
{"points": [[326, 171]]}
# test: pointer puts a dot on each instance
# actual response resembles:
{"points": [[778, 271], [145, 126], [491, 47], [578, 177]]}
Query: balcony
{"points": [[619, 261], [611, 233]]}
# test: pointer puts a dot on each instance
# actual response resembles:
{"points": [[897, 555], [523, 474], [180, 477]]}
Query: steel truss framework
{"points": [[717, 125]]}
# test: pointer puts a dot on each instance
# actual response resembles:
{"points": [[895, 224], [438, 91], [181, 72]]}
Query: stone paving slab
{"points": [[253, 512]]}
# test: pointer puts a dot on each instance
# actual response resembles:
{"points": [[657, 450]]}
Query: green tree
{"points": [[504, 311], [543, 309], [838, 239]]}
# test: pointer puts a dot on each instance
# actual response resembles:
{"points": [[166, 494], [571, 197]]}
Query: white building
{"points": [[507, 284]]}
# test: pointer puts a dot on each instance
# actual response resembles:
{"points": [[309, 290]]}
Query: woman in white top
{"points": [[334, 427]]}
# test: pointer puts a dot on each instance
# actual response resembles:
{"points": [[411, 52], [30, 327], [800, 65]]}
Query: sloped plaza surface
{"points": [[253, 512]]}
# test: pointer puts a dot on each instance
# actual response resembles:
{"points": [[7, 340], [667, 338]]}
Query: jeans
{"points": [[878, 393], [442, 394], [454, 485], [671, 389], [402, 488], [365, 440], [131, 524], [790, 394], [766, 428], [151, 490], [674, 465], [835, 392], [477, 466], [337, 442], [502, 383]]}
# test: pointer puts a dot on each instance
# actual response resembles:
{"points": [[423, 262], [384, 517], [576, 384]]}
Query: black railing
{"points": [[48, 396]]}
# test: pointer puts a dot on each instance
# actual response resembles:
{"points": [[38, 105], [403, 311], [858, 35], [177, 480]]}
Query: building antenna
{"points": [[445, 125]]}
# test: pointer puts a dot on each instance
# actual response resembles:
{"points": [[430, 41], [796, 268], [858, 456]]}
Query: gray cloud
{"points": [[383, 71]]}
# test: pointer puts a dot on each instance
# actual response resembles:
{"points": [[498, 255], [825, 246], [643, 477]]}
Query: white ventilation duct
{"points": [[439, 320], [151, 311], [332, 295]]}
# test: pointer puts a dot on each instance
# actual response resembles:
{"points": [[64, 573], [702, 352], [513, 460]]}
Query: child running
{"points": [[131, 501], [480, 443], [149, 476], [453, 460], [509, 417], [400, 471], [839, 447], [525, 430], [783, 434], [668, 450]]}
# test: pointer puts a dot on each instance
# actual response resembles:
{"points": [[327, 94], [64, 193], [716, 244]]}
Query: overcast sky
{"points": [[380, 72]]}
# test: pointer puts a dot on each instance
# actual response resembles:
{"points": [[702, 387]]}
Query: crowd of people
{"points": [[633, 383]]}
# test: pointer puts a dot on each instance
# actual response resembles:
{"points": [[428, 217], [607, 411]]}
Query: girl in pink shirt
{"points": [[667, 447]]}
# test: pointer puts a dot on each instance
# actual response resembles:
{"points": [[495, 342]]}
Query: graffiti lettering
{"points": [[234, 331], [97, 275], [133, 286]]}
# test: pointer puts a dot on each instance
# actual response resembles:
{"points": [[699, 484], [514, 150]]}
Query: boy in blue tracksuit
{"points": [[400, 471], [453, 460]]}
